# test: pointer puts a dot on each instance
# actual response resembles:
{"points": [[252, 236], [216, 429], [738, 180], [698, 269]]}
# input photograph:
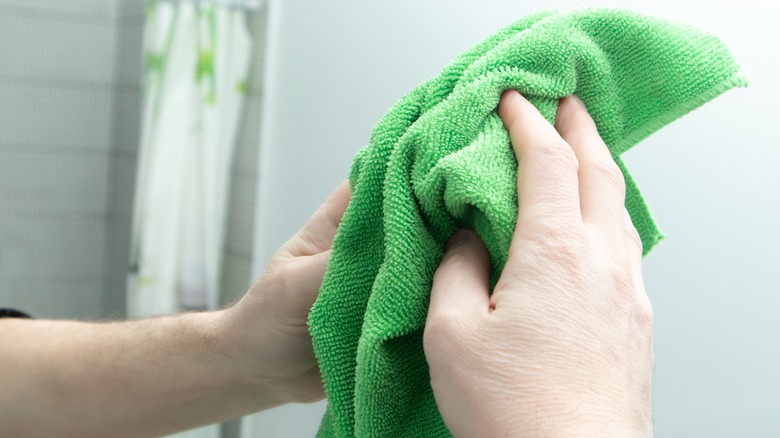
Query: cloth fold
{"points": [[440, 160]]}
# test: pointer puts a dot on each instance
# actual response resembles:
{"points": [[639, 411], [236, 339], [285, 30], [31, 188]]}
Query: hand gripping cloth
{"points": [[441, 159]]}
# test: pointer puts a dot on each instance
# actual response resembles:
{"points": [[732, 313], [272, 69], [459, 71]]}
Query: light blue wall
{"points": [[711, 179]]}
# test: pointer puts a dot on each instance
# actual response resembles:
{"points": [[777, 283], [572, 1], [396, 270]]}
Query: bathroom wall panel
{"points": [[68, 141], [66, 53], [54, 297], [44, 115], [51, 245], [239, 232], [80, 10], [43, 182]]}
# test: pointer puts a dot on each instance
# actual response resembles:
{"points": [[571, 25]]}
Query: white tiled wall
{"points": [[49, 113], [125, 134], [53, 52], [69, 102], [55, 181], [82, 10], [70, 96], [237, 261]]}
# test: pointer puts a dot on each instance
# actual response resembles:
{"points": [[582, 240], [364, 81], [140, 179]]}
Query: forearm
{"points": [[135, 378], [601, 421]]}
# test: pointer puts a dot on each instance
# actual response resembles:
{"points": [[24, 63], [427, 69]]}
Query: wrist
{"points": [[590, 420], [266, 336], [241, 362]]}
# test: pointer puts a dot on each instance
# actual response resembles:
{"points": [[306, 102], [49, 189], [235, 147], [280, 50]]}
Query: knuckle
{"points": [[560, 234], [632, 235], [271, 277], [644, 313], [572, 118], [452, 264], [431, 333], [624, 284], [555, 153], [284, 276], [289, 284], [442, 327], [609, 173], [560, 243]]}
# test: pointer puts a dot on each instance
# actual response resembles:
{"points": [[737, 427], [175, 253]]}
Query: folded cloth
{"points": [[440, 160]]}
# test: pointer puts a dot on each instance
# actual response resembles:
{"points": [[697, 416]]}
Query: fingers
{"points": [[633, 255], [602, 188], [317, 234], [634, 245], [547, 187], [461, 283]]}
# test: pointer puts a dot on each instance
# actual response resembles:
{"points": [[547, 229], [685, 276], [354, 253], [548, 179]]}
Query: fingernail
{"points": [[459, 237]]}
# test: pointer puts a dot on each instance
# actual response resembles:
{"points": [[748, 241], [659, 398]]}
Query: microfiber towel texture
{"points": [[441, 160]]}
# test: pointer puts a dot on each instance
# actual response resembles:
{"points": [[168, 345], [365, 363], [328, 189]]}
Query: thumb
{"points": [[461, 284], [303, 277], [317, 234]]}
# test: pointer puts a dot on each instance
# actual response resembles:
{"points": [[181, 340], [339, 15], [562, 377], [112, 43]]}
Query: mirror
{"points": [[129, 135]]}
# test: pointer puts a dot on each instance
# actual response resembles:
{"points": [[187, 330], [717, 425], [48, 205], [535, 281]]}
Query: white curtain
{"points": [[195, 79]]}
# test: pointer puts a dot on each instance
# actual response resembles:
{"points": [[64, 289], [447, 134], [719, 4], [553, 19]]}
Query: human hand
{"points": [[157, 376], [563, 346], [267, 329]]}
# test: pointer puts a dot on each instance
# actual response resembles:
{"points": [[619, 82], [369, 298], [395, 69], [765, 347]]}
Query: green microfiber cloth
{"points": [[441, 160]]}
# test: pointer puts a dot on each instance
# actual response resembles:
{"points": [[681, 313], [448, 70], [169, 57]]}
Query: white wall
{"points": [[711, 179]]}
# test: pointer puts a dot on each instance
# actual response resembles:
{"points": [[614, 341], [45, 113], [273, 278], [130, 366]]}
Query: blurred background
{"points": [[153, 156]]}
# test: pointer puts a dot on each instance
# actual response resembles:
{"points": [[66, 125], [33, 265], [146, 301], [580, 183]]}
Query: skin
{"points": [[561, 347], [158, 376]]}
